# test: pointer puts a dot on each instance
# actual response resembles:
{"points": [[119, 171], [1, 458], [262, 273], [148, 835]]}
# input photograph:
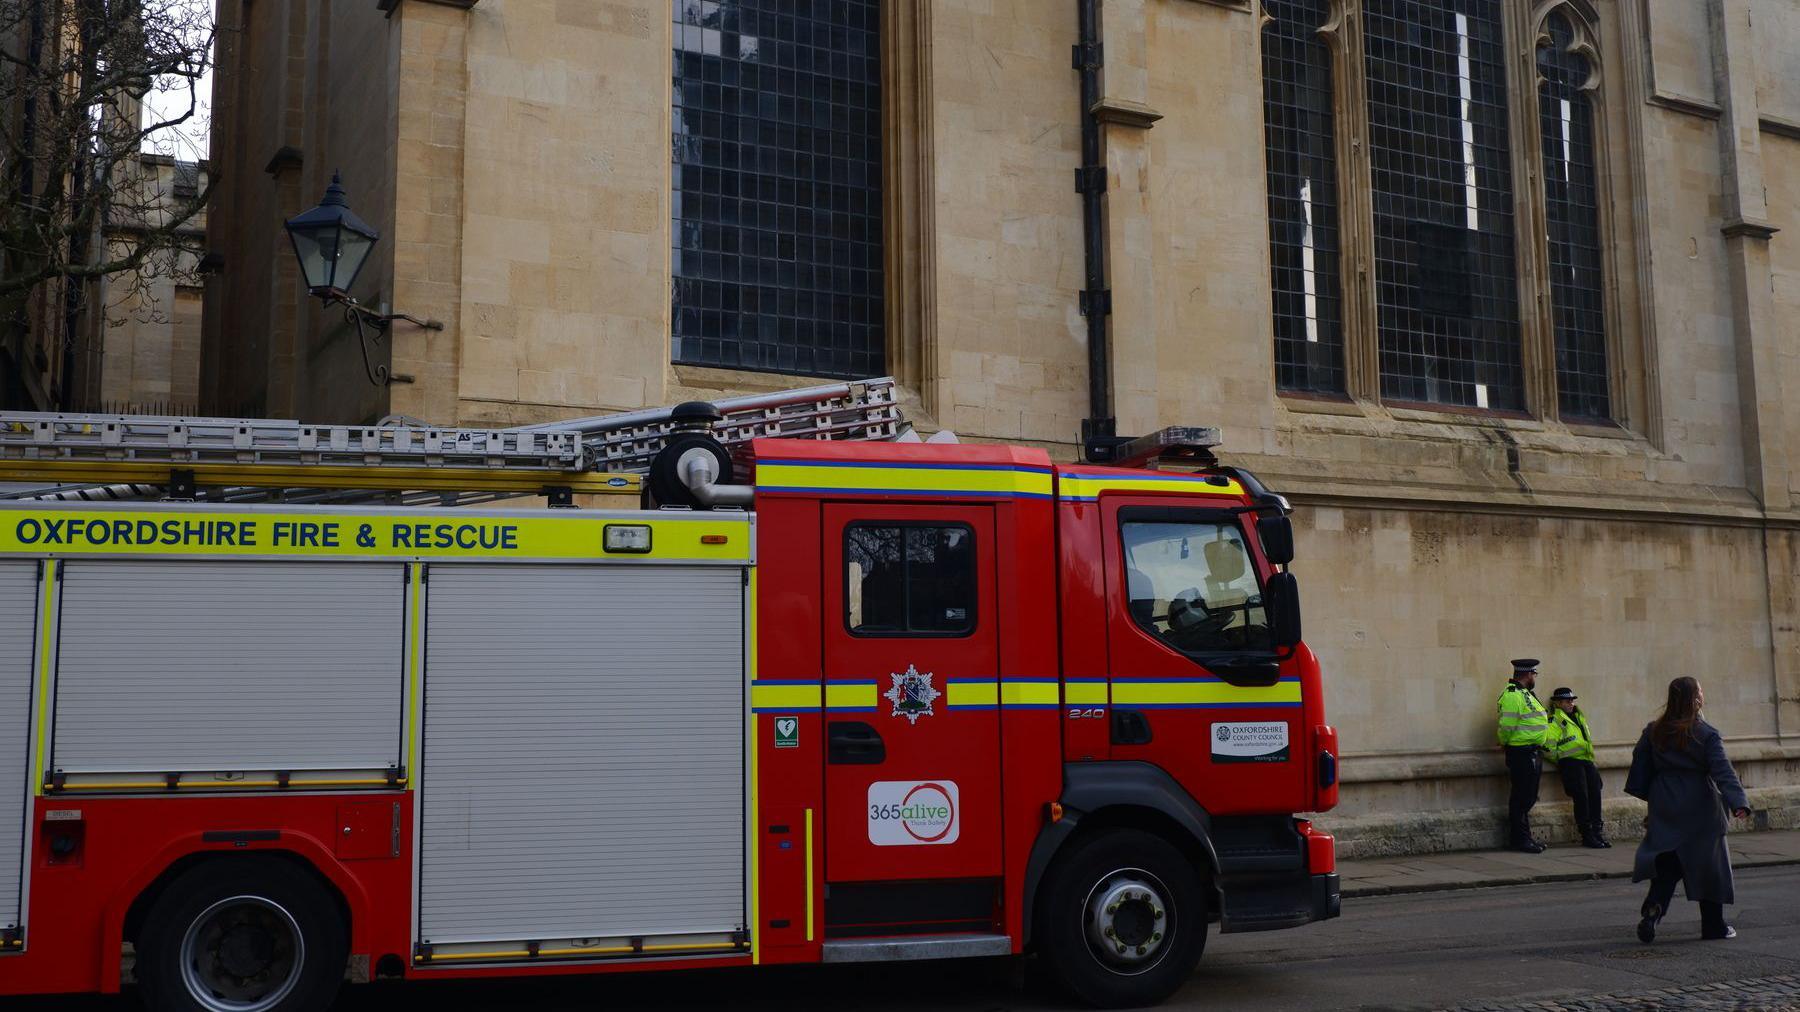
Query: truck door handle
{"points": [[854, 743], [1130, 727]]}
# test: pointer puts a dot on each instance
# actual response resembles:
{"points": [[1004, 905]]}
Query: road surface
{"points": [[1517, 947]]}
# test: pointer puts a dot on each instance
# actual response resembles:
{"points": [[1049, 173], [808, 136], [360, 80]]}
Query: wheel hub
{"points": [[246, 950], [1128, 919], [242, 954]]}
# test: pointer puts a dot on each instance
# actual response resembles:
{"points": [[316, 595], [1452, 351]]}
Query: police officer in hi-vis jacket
{"points": [[1571, 747], [1523, 727]]}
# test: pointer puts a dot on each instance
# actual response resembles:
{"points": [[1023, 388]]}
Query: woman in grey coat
{"points": [[1680, 768]]}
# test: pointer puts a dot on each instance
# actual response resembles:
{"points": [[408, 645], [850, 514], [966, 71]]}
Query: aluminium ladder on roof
{"points": [[133, 457]]}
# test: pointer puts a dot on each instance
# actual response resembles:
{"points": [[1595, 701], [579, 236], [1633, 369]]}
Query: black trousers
{"points": [[1524, 766], [1581, 782], [1662, 891]]}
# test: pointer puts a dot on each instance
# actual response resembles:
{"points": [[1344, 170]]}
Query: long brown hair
{"points": [[1675, 728]]}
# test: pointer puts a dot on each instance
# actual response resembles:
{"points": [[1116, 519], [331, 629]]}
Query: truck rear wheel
{"points": [[1122, 919], [241, 935]]}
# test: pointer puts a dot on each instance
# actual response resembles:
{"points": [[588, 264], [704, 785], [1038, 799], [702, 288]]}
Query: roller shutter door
{"points": [[583, 772], [206, 666], [18, 619]]}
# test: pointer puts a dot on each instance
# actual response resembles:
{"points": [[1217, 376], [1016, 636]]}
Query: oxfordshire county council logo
{"points": [[912, 694], [1224, 733]]}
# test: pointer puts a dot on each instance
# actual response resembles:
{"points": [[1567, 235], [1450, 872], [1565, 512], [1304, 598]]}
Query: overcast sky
{"points": [[188, 141]]}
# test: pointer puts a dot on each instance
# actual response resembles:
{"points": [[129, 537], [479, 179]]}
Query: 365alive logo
{"points": [[914, 813]]}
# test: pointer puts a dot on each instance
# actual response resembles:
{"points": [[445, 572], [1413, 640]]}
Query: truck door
{"points": [[911, 670], [1194, 688]]}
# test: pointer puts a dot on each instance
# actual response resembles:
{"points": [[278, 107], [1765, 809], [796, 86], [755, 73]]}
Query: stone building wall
{"points": [[138, 333], [527, 206], [303, 90]]}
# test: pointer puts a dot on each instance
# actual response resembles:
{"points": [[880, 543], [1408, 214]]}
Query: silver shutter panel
{"points": [[207, 666], [584, 734], [18, 620]]}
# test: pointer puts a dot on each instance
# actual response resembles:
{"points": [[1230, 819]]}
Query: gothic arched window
{"points": [[1572, 212], [1447, 294], [776, 190], [1300, 145]]}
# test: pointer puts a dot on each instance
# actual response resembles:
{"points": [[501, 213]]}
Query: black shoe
{"points": [[1730, 932], [1598, 831], [1594, 843], [1528, 846], [1647, 926]]}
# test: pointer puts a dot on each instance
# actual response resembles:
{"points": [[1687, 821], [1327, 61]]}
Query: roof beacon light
{"points": [[1178, 444]]}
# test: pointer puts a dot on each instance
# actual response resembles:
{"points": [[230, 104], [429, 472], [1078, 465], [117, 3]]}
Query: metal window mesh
{"points": [[1566, 120], [1300, 147], [777, 252], [1446, 292]]}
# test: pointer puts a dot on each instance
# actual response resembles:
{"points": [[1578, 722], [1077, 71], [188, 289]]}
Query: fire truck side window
{"points": [[1192, 585], [909, 579]]}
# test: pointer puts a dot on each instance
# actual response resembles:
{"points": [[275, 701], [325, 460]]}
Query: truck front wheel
{"points": [[241, 935], [1122, 919]]}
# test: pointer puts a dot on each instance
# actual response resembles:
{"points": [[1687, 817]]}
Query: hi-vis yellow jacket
{"points": [[1569, 737], [1522, 718]]}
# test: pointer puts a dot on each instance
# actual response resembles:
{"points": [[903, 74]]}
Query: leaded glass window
{"points": [[1303, 209], [1572, 205], [1447, 296], [777, 252]]}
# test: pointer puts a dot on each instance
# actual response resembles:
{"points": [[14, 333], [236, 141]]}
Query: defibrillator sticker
{"points": [[1250, 743], [912, 813], [787, 732]]}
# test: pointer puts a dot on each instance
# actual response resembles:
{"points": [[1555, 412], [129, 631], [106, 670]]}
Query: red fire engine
{"points": [[303, 705]]}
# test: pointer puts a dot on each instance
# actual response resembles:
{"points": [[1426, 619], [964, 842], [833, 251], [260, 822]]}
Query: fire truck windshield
{"points": [[1191, 584]]}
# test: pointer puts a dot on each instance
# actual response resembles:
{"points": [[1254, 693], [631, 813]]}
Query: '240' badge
{"points": [[912, 694]]}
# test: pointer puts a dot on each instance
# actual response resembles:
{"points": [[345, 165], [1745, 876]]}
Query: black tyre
{"points": [[242, 935], [665, 468], [1121, 919]]}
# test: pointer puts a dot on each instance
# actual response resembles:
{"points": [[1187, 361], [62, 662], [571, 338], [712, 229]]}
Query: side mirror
{"points": [[1281, 597], [1277, 535]]}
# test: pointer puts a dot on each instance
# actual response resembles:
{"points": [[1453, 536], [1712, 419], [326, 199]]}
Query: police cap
{"points": [[1563, 693], [1525, 665]]}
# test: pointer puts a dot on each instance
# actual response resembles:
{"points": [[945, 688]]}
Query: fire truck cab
{"points": [[915, 701]]}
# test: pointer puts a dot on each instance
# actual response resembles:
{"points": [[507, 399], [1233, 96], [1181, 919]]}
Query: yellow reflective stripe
{"points": [[46, 646], [1085, 693], [753, 817], [1022, 693], [611, 950], [327, 533], [433, 478], [809, 874], [1194, 693], [415, 675], [998, 480], [223, 785], [850, 696], [1074, 486], [785, 696], [982, 693]]}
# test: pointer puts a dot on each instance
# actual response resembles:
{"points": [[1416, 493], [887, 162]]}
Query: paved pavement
{"points": [[1766, 995], [1563, 863], [1533, 947]]}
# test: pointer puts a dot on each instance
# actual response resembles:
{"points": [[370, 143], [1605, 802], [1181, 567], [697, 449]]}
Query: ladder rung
{"points": [[119, 452]]}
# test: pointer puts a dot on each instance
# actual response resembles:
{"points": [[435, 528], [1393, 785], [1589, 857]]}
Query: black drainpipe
{"points": [[1097, 430]]}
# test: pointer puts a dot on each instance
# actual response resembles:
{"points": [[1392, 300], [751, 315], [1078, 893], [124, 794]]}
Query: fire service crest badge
{"points": [[912, 694]]}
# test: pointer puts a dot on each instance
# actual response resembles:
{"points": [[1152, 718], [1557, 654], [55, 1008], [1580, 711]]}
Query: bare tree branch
{"points": [[80, 200]]}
